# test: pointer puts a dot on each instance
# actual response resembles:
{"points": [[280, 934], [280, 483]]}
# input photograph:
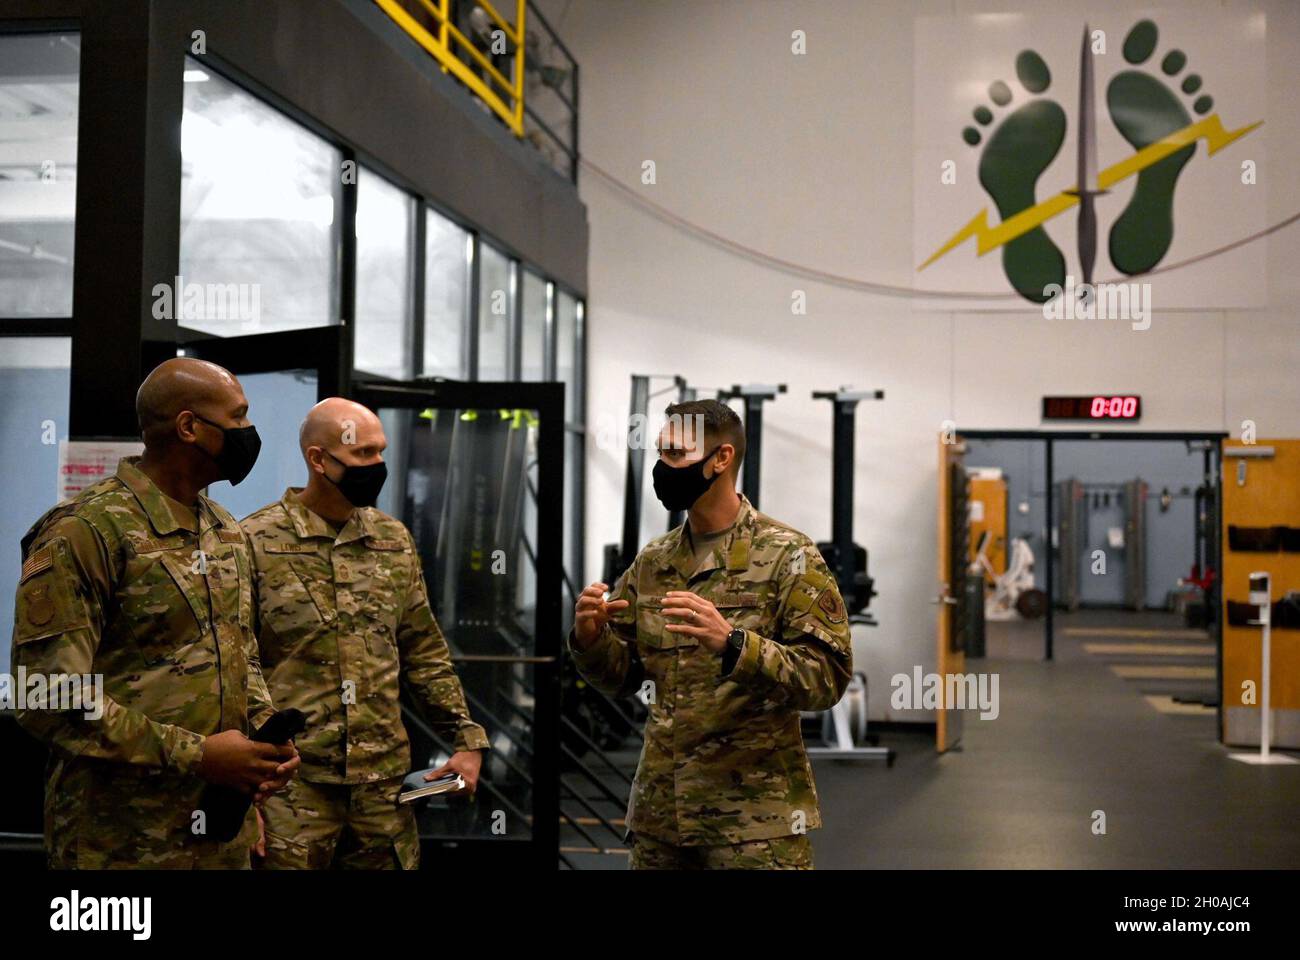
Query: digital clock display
{"points": [[1100, 406]]}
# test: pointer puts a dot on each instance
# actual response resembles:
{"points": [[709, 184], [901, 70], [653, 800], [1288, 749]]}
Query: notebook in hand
{"points": [[415, 787]]}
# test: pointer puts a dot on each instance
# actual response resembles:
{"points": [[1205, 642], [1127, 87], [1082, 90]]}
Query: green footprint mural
{"points": [[1015, 156], [1145, 110]]}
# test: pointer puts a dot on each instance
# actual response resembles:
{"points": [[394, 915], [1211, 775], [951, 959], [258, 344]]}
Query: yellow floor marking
{"points": [[1125, 632], [1169, 705], [1159, 649], [1142, 672]]}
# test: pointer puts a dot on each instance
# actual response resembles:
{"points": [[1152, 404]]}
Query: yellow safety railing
{"points": [[448, 42]]}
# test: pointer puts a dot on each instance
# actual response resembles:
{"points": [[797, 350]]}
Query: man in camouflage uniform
{"points": [[729, 625], [344, 618], [146, 582]]}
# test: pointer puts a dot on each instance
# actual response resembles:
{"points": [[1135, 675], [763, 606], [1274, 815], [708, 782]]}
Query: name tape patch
{"points": [[290, 548]]}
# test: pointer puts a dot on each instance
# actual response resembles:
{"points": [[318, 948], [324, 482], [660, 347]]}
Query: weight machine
{"points": [[844, 726]]}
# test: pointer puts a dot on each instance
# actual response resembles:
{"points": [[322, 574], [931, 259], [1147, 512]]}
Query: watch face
{"points": [[736, 638]]}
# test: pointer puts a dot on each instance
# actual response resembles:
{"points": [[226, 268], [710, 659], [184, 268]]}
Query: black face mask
{"points": [[360, 485], [239, 449], [679, 487]]}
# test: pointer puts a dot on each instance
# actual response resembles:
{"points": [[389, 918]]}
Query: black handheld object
{"points": [[225, 807], [282, 727]]}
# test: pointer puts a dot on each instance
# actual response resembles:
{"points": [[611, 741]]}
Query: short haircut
{"points": [[721, 423]]}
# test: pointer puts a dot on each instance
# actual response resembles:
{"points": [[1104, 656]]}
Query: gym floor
{"points": [[1073, 736], [1122, 721]]}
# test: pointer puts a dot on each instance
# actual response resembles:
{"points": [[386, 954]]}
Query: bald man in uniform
{"points": [[144, 581], [343, 620]]}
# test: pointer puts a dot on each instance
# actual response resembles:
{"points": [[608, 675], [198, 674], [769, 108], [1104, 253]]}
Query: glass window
{"points": [[572, 559], [397, 425], [464, 494], [39, 77], [496, 300], [258, 226], [567, 349], [447, 252], [277, 403], [536, 307], [385, 240], [35, 379], [568, 370]]}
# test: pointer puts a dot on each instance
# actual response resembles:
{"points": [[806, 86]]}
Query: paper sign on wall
{"points": [[83, 462]]}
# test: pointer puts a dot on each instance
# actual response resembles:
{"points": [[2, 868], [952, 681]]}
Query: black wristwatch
{"points": [[736, 640]]}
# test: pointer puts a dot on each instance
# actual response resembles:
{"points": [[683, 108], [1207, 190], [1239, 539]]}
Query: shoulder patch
{"points": [[830, 607], [40, 605], [39, 561], [47, 602]]}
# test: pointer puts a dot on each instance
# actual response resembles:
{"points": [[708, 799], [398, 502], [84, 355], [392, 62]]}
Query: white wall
{"points": [[810, 159]]}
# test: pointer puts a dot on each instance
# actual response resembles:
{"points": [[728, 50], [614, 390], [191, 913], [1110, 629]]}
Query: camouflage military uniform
{"points": [[341, 619], [780, 853], [724, 762], [120, 581]]}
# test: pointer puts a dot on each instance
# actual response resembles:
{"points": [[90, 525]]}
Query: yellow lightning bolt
{"points": [[990, 238]]}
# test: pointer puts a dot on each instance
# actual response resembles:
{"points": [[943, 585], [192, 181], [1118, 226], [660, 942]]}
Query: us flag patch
{"points": [[38, 562]]}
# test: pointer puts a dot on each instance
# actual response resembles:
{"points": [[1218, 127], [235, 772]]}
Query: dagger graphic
{"points": [[1086, 165]]}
